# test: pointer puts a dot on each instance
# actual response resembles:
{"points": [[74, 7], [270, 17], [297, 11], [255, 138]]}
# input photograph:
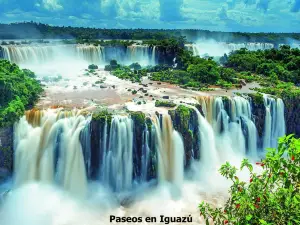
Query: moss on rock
{"points": [[183, 122], [168, 104], [257, 98]]}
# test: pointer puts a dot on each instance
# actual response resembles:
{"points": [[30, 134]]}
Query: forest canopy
{"points": [[33, 30]]}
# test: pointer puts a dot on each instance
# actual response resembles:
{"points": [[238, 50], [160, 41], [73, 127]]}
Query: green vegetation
{"points": [[196, 72], [19, 90], [39, 30], [134, 72], [102, 116], [184, 114], [282, 64], [138, 117], [282, 90], [169, 104], [269, 197], [108, 43], [257, 98]]}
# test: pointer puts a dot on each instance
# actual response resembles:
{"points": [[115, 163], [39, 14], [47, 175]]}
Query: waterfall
{"points": [[50, 151], [100, 55], [232, 123], [178, 158], [117, 160], [90, 53], [170, 151], [122, 152], [213, 48], [145, 154], [208, 150], [274, 121]]}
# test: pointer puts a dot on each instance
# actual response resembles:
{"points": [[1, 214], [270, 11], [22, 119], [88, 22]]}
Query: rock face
{"points": [[1, 53], [259, 114], [6, 152], [185, 122], [291, 111], [292, 116]]}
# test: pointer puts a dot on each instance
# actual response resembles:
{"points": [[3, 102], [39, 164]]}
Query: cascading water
{"points": [[274, 121], [47, 149], [214, 48], [232, 123], [117, 164], [100, 55], [68, 149]]}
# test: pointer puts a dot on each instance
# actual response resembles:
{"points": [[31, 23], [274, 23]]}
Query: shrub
{"points": [[164, 104]]}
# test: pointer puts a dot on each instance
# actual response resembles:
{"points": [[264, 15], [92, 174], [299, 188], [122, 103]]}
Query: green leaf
{"points": [[249, 217], [262, 221]]}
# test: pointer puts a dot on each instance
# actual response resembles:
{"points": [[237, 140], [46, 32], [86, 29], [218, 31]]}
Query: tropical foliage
{"points": [[18, 90], [277, 64], [271, 196]]}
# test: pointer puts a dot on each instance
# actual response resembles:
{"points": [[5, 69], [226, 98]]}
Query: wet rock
{"points": [[166, 97], [243, 82], [93, 67], [291, 113], [185, 122], [6, 152]]}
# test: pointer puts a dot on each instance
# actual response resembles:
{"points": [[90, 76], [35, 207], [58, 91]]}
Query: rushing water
{"points": [[57, 146], [61, 156], [214, 48]]}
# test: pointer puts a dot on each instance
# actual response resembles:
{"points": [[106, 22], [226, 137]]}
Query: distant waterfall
{"points": [[90, 53], [100, 55], [213, 48], [274, 121]]}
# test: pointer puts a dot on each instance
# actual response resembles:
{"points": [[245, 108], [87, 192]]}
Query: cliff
{"points": [[6, 152]]}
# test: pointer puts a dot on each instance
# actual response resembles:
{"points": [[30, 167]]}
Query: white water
{"points": [[47, 133], [274, 121], [35, 55], [117, 160], [213, 48], [36, 149]]}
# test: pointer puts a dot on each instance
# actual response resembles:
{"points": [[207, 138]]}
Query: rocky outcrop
{"points": [[259, 114], [292, 115], [185, 122], [6, 152], [291, 111], [139, 127], [99, 126], [1, 53]]}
